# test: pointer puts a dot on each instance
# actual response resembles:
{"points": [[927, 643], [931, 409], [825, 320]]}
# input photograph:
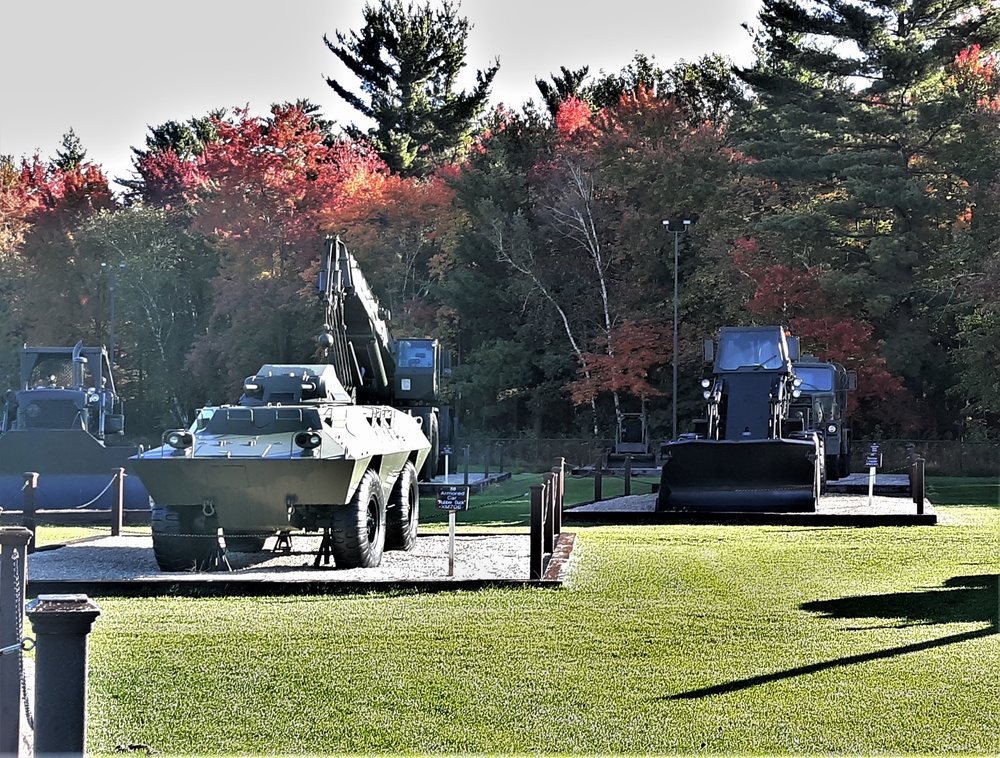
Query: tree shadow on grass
{"points": [[962, 599]]}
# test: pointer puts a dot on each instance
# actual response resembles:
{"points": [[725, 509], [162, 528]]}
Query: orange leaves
{"points": [[574, 116], [630, 354]]}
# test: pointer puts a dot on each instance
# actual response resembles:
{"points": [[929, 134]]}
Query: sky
{"points": [[110, 69]]}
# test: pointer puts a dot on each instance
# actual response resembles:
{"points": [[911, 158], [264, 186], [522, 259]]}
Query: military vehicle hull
{"points": [[257, 495], [266, 467], [750, 475]]}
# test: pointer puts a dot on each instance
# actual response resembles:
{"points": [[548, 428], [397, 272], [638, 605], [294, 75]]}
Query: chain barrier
{"points": [[19, 633], [99, 495]]}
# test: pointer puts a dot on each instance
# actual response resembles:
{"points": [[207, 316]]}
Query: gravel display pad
{"points": [[107, 563]]}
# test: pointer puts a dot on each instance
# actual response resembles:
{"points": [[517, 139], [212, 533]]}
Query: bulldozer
{"points": [[748, 453], [65, 422], [317, 447]]}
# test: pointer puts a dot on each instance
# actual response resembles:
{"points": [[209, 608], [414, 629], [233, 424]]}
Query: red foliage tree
{"points": [[261, 191], [631, 353], [62, 297]]}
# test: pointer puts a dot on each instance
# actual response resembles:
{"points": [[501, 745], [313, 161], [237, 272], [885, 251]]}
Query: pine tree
{"points": [[854, 123], [407, 61], [72, 153]]}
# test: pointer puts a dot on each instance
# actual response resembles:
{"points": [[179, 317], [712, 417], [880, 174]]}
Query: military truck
{"points": [[66, 422], [312, 446], [748, 453], [822, 403]]}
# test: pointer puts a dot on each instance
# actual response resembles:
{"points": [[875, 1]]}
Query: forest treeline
{"points": [[846, 184]]}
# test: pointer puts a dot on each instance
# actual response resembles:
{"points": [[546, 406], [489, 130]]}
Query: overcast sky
{"points": [[109, 69]]}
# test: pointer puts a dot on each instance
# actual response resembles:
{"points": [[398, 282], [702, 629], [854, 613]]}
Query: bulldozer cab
{"points": [[749, 395], [753, 348], [65, 388]]}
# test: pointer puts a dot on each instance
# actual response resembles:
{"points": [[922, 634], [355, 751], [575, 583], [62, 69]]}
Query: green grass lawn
{"points": [[667, 639]]}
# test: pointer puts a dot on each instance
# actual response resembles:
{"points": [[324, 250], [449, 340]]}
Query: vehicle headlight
{"points": [[706, 383], [308, 440], [831, 429], [93, 398], [178, 439]]}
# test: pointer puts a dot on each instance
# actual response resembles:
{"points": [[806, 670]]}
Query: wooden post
{"points": [[548, 513], [560, 472], [918, 489]]}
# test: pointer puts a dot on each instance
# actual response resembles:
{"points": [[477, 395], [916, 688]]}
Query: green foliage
{"points": [[407, 61], [159, 275]]}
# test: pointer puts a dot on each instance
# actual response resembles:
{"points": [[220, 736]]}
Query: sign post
{"points": [[446, 452], [873, 461], [452, 499]]}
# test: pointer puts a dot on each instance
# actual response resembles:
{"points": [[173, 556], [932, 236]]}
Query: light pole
{"points": [[112, 286], [677, 233]]}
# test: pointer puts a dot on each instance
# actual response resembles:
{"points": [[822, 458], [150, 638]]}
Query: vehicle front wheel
{"points": [[184, 538]]}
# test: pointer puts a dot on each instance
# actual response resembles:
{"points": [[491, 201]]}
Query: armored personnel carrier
{"points": [[313, 447]]}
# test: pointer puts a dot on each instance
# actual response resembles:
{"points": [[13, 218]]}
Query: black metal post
{"points": [[598, 480], [13, 567], [535, 552], [61, 624], [628, 475], [28, 507], [466, 465], [676, 233], [118, 504]]}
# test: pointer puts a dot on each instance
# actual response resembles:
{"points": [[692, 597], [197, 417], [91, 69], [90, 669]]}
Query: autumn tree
{"points": [[407, 60], [57, 303], [568, 83], [261, 191]]}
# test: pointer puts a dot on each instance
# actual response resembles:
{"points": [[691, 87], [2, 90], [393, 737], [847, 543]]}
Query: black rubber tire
{"points": [[245, 543], [359, 527], [184, 538], [431, 467], [402, 512]]}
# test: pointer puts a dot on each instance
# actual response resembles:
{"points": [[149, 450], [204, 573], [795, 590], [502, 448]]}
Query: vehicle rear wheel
{"points": [[402, 513], [430, 469], [359, 527], [184, 538], [844, 465]]}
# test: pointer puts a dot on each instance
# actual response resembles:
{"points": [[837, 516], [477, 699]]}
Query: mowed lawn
{"points": [[672, 639]]}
